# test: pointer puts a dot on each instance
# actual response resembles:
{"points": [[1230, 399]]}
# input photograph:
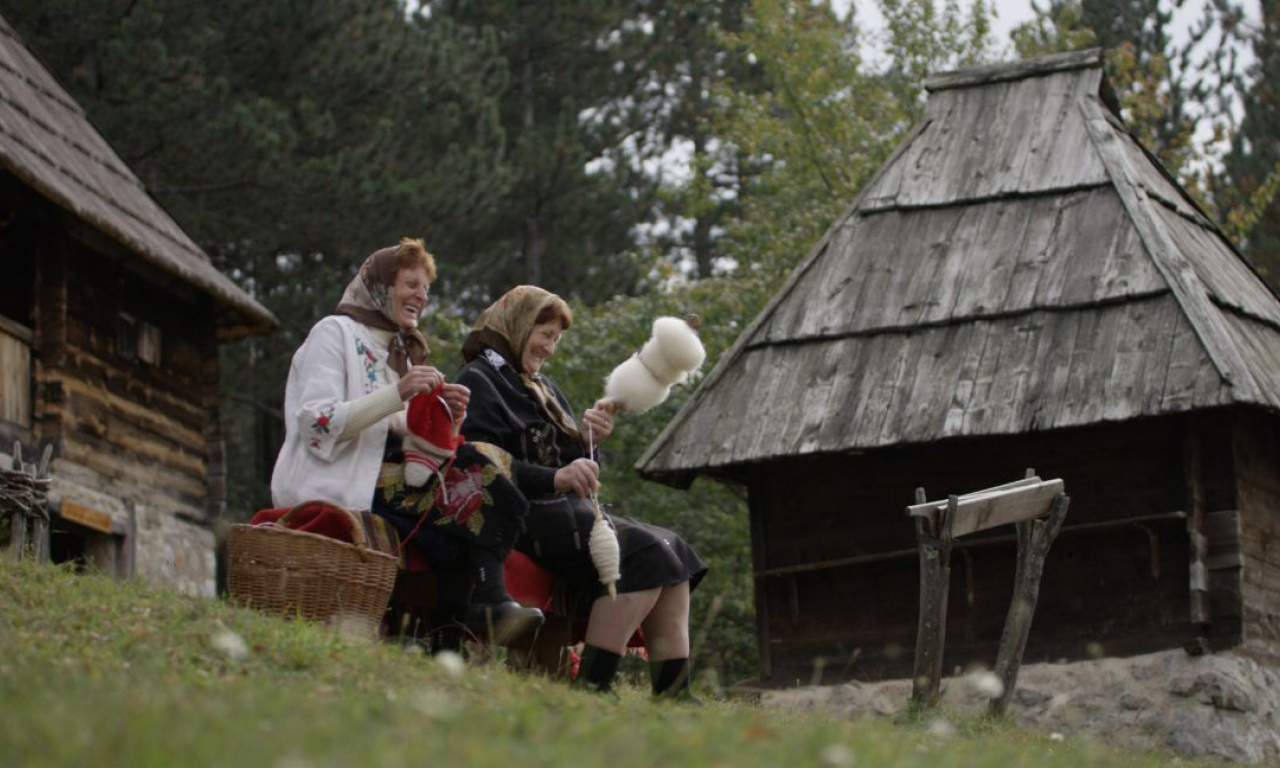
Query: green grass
{"points": [[95, 672]]}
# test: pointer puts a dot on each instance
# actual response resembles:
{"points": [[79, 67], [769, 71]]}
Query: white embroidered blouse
{"points": [[336, 403]]}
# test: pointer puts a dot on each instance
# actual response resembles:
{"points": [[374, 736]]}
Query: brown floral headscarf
{"points": [[368, 299], [505, 328]]}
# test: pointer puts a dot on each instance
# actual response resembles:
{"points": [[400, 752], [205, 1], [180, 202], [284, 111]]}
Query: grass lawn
{"points": [[102, 673]]}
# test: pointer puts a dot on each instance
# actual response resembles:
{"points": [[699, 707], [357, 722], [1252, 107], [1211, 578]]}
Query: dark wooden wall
{"points": [[149, 430], [837, 581], [1257, 453], [22, 216]]}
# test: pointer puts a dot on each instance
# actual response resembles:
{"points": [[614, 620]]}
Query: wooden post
{"points": [[934, 536], [40, 510], [1195, 526], [18, 534], [1034, 540]]}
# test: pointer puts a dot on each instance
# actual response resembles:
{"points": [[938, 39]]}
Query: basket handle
{"points": [[357, 530]]}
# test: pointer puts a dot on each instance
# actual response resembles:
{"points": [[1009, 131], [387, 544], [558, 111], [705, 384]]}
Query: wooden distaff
{"points": [[602, 544], [644, 380]]}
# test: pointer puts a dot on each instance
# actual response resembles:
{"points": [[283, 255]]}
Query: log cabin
{"points": [[110, 319], [1021, 285]]}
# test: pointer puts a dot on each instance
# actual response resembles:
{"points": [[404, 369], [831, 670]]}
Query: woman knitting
{"points": [[518, 409], [345, 424]]}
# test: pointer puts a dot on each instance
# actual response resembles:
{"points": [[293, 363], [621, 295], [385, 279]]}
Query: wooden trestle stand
{"points": [[1037, 508]]}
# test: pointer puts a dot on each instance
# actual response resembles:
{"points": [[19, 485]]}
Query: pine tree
{"points": [[1249, 189], [289, 139]]}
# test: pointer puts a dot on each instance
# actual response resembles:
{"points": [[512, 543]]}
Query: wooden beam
{"points": [[998, 73], [986, 541], [1026, 500]]}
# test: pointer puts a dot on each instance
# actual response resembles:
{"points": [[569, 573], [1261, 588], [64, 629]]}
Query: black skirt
{"points": [[479, 505], [557, 530]]}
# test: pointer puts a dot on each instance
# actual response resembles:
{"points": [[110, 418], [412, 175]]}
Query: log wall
{"points": [[837, 571], [1257, 453], [142, 427]]}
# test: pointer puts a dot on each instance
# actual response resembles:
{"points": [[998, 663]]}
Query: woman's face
{"points": [[409, 296], [541, 345]]}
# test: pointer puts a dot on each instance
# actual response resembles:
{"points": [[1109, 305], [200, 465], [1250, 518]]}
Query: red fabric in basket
{"points": [[311, 518]]}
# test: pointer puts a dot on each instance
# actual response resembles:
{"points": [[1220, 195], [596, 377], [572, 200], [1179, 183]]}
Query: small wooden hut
{"points": [[110, 318], [1021, 285]]}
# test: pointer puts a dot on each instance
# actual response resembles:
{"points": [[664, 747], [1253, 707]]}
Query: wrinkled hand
{"points": [[419, 378], [597, 422], [456, 397], [581, 477]]}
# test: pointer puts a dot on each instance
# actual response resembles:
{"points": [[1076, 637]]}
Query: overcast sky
{"points": [[1011, 13]]}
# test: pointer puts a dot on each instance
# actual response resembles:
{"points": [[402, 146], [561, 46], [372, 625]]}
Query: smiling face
{"points": [[409, 296], [541, 345]]}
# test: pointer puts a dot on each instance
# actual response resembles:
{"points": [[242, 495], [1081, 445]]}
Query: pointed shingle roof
{"points": [[47, 141], [1019, 264]]}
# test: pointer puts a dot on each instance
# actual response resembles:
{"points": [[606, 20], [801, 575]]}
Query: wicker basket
{"points": [[298, 574]]}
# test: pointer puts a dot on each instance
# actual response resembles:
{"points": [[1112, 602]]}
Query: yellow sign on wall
{"points": [[89, 518]]}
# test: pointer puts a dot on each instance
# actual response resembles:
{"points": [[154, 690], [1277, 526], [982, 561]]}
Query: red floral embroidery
{"points": [[320, 426], [466, 493]]}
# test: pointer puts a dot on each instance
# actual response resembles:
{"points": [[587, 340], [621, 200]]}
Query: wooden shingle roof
{"points": [[1021, 263], [47, 141]]}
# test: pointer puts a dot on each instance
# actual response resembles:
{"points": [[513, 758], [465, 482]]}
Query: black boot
{"points": [[672, 679], [597, 669], [492, 608]]}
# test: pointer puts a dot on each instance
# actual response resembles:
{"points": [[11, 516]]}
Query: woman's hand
{"points": [[456, 397], [419, 378], [597, 422], [581, 477]]}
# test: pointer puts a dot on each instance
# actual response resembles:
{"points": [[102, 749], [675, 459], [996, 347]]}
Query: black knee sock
{"points": [[487, 580], [453, 585], [670, 677], [597, 668]]}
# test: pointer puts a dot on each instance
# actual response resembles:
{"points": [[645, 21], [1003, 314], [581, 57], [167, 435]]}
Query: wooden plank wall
{"points": [[144, 429], [1257, 455], [15, 373], [1111, 590]]}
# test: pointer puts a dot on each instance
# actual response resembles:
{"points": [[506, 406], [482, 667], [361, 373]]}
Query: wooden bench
{"points": [[1037, 508]]}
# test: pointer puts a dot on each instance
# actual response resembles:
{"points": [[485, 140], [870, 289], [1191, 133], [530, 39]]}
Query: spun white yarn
{"points": [[605, 555], [644, 380]]}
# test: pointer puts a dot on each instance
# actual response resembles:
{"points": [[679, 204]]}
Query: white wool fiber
{"points": [[645, 379], [680, 347], [631, 386]]}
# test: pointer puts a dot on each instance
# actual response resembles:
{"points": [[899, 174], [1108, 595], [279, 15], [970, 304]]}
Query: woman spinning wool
{"points": [[516, 408], [345, 425]]}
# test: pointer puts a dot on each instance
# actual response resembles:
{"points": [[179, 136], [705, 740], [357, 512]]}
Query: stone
{"points": [[1031, 697], [1133, 703], [1221, 706]]}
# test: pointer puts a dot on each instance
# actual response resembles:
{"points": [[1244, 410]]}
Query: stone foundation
{"points": [[1224, 706], [174, 553], [145, 541]]}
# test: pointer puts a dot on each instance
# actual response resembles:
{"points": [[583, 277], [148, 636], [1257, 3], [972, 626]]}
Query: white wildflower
{"points": [[452, 664], [985, 683], [838, 756], [941, 728], [433, 704], [231, 644]]}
